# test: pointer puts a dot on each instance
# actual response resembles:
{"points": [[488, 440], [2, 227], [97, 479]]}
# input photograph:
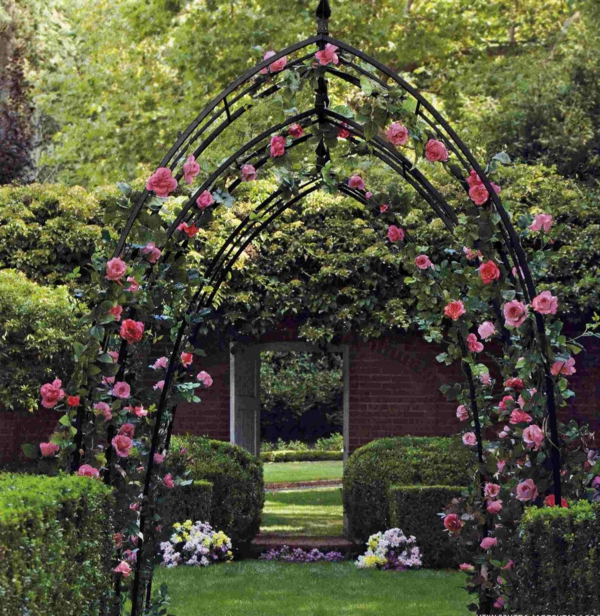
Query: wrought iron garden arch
{"points": [[223, 112]]}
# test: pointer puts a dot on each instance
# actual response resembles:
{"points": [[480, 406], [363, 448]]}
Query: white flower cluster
{"points": [[390, 550], [195, 544]]}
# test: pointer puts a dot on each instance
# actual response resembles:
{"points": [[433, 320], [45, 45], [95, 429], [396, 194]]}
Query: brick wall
{"points": [[394, 390]]}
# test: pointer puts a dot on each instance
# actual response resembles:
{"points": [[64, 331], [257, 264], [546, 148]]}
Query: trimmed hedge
{"points": [[237, 477], [415, 510], [191, 502], [371, 471], [55, 545], [311, 455], [558, 568]]}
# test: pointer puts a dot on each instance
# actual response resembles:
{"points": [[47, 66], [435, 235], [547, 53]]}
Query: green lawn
{"points": [[256, 588], [316, 512], [287, 472]]}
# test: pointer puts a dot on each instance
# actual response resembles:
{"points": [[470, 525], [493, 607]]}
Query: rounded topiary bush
{"points": [[237, 482], [371, 471]]}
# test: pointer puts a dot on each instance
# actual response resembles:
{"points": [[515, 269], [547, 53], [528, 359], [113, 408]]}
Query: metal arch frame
{"points": [[273, 206]]}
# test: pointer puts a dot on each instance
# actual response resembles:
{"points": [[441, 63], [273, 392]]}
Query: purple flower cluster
{"points": [[298, 555]]}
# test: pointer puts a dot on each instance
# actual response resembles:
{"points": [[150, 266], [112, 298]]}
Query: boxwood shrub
{"points": [[189, 502], [407, 460], [415, 510], [55, 545], [237, 477], [312, 455], [558, 567]]}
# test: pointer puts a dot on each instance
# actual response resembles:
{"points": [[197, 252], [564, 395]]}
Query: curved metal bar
{"points": [[196, 122]]}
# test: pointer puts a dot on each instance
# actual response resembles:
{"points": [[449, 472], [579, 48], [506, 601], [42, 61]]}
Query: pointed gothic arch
{"points": [[224, 113]]}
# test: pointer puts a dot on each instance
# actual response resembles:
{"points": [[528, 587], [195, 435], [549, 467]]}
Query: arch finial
{"points": [[323, 14]]}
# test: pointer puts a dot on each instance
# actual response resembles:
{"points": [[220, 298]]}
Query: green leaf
{"points": [[366, 85], [29, 450], [65, 420], [502, 157], [343, 110]]}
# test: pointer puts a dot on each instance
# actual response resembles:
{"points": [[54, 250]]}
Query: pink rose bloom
{"points": [[509, 565], [131, 330], [500, 465], [162, 182], [121, 390], [453, 523], [527, 491], [356, 182], [158, 458], [550, 501], [384, 208], [277, 146], [486, 329], [494, 507], [545, 303], [435, 151], [474, 345], [455, 310], [466, 567], [138, 411], [541, 222], [564, 367], [88, 471], [515, 313], [168, 481], [327, 55], [268, 54], [488, 543], [122, 445], [52, 393], [248, 173], [519, 416], [473, 178], [471, 254], [533, 437], [423, 262], [491, 490], [73, 400], [489, 272], [479, 194], [116, 311], [123, 568], [275, 66], [49, 450], [127, 429], [205, 378], [499, 603], [343, 132], [189, 230], [160, 386], [469, 439], [114, 355], [514, 383], [485, 378], [204, 200], [152, 252], [506, 403], [368, 194], [160, 364], [397, 134], [134, 285], [102, 407], [462, 413], [115, 269], [295, 130], [108, 380], [395, 234], [187, 359], [190, 169]]}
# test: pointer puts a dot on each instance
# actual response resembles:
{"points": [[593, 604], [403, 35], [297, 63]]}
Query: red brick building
{"points": [[391, 388]]}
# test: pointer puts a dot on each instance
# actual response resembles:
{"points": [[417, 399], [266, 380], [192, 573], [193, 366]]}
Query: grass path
{"points": [[316, 512], [288, 472], [256, 588]]}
